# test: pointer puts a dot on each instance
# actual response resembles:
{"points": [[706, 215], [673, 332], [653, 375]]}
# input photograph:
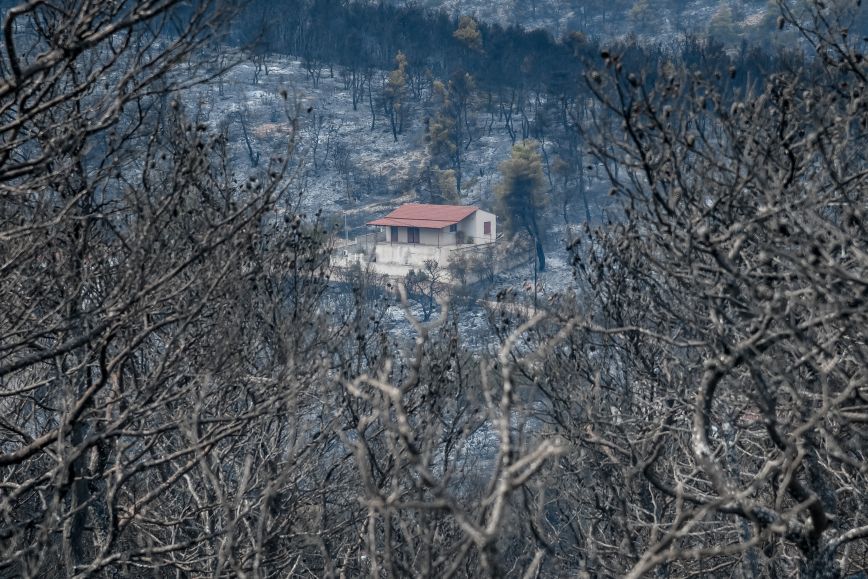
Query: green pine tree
{"points": [[520, 195]]}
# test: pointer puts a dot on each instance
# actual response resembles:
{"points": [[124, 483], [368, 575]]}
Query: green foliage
{"points": [[397, 80], [468, 33], [520, 195], [393, 94], [442, 131], [446, 134], [445, 186], [521, 199], [722, 27], [641, 14]]}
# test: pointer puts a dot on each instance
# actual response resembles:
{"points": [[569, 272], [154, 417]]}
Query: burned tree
{"points": [[139, 331], [181, 390], [721, 346]]}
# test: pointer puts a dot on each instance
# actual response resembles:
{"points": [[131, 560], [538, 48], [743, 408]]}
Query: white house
{"points": [[416, 232]]}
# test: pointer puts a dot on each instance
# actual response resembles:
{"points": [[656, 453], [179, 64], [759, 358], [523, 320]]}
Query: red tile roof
{"points": [[423, 223], [426, 216]]}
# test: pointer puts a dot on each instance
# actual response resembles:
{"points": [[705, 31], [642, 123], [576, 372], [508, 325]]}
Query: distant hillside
{"points": [[730, 20]]}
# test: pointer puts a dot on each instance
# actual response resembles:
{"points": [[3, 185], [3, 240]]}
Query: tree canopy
{"points": [[521, 198]]}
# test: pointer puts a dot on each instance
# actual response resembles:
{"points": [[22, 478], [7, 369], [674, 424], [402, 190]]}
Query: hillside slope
{"points": [[657, 20]]}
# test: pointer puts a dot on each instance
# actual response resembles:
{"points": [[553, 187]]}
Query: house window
{"points": [[486, 228], [453, 228], [412, 235], [394, 232]]}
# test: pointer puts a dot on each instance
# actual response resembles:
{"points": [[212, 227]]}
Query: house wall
{"points": [[397, 260], [426, 236], [413, 254], [447, 238], [480, 217], [474, 226], [468, 227]]}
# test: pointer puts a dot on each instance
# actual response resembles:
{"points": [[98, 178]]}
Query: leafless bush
{"points": [[146, 294], [181, 389], [439, 460], [718, 396]]}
